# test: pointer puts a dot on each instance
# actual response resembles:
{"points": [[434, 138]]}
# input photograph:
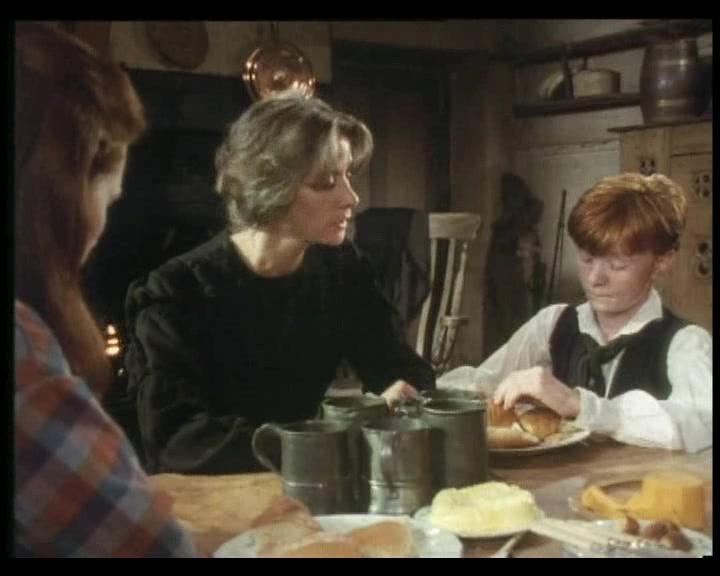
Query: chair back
{"points": [[439, 318]]}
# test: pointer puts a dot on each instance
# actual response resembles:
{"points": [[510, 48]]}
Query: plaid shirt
{"points": [[79, 488]]}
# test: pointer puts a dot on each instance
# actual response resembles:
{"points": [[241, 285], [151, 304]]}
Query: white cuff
{"points": [[597, 414]]}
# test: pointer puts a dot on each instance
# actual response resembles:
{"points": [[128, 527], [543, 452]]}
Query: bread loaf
{"points": [[215, 509]]}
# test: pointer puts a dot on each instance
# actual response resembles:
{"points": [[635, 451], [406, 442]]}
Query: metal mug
{"points": [[353, 408], [396, 466], [355, 411], [315, 463], [412, 407], [459, 441]]}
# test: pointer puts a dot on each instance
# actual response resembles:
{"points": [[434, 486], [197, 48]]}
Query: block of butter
{"points": [[484, 509]]}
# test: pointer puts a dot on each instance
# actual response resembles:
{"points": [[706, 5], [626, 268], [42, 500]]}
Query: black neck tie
{"points": [[589, 367]]}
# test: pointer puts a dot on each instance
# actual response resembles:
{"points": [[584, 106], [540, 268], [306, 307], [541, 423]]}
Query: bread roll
{"points": [[387, 539], [500, 438], [215, 509], [318, 545], [541, 422], [499, 417]]}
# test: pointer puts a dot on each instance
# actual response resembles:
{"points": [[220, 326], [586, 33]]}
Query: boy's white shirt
{"points": [[683, 421]]}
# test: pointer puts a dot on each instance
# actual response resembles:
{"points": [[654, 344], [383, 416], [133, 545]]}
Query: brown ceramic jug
{"points": [[671, 83]]}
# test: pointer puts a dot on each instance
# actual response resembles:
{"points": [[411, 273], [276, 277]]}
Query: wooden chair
{"points": [[439, 319]]}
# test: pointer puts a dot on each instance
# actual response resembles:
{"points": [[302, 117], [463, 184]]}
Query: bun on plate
{"points": [[500, 417], [387, 539], [514, 437], [286, 529], [541, 422], [317, 545]]}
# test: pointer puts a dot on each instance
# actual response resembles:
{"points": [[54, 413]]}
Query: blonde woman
{"points": [[252, 326]]}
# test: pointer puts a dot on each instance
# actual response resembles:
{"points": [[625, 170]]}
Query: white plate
{"points": [[702, 545], [572, 435], [430, 542], [423, 517]]}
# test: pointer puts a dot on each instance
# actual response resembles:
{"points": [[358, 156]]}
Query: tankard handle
{"points": [[258, 439]]}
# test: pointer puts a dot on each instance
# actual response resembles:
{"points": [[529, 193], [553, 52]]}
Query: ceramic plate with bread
{"points": [[529, 430], [288, 530]]}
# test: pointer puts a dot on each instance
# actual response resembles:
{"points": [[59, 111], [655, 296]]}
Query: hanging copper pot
{"points": [[277, 66]]}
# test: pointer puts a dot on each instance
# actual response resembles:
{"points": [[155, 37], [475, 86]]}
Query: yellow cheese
{"points": [[601, 503], [670, 495]]}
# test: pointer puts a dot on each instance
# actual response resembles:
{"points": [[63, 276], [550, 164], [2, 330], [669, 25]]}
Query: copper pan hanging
{"points": [[276, 67]]}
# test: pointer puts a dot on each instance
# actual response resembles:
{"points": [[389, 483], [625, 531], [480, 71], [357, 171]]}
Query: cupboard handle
{"points": [[703, 259]]}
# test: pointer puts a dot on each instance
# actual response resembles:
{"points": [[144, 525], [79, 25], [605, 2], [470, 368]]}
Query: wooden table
{"points": [[552, 477]]}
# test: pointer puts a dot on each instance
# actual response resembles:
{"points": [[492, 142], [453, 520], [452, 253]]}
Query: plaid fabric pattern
{"points": [[79, 488]]}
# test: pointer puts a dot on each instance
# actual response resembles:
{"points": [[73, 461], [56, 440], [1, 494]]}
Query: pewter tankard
{"points": [[396, 466], [315, 463], [354, 411], [459, 441]]}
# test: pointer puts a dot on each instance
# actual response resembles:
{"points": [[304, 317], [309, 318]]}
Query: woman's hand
{"points": [[398, 392], [538, 384]]}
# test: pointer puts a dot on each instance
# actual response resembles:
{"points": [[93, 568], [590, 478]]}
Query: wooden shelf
{"points": [[695, 120], [580, 104], [625, 40]]}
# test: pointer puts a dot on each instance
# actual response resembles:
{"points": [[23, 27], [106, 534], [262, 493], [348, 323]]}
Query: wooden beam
{"points": [[625, 40]]}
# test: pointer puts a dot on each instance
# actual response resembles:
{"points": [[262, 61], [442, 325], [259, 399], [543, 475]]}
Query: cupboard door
{"points": [[692, 139], [646, 151], [690, 292]]}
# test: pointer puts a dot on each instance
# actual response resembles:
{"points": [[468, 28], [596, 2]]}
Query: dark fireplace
{"points": [[169, 204]]}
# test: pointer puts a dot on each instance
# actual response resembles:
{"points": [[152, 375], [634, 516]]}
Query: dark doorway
{"points": [[404, 96]]}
